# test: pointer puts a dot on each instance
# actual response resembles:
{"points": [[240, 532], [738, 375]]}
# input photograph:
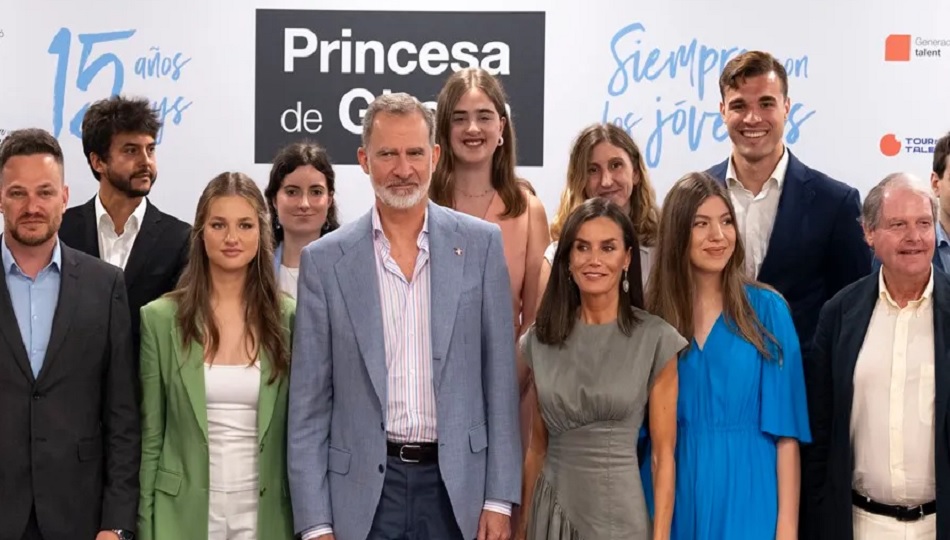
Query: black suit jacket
{"points": [[817, 246], [830, 380], [155, 263], [70, 439]]}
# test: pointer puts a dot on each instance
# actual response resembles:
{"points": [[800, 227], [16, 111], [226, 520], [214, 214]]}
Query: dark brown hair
{"points": [[644, 211], [262, 298], [287, 160], [28, 142], [109, 117], [941, 152], [671, 280], [503, 177], [562, 299], [751, 64]]}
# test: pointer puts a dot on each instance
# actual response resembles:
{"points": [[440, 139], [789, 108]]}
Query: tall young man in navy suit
{"points": [[800, 227]]}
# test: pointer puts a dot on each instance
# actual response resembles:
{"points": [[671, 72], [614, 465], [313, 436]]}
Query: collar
{"points": [[925, 298], [378, 226], [10, 264], [133, 224], [942, 239], [778, 174]]}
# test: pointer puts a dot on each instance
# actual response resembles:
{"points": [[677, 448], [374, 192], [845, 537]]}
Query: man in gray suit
{"points": [[403, 400]]}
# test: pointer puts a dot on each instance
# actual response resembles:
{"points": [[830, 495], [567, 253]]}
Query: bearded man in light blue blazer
{"points": [[403, 398]]}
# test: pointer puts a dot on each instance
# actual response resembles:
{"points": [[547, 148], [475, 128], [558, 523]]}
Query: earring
{"points": [[501, 141], [626, 284]]}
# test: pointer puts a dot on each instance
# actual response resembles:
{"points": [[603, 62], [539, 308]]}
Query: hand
{"points": [[494, 526], [786, 533], [107, 535]]}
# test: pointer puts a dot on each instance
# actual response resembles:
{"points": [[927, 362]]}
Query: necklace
{"points": [[480, 195]]}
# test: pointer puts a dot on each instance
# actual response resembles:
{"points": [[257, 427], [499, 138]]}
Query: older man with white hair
{"points": [[879, 382]]}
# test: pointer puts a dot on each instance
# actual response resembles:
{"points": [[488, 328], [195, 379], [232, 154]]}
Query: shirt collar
{"points": [[942, 239], [778, 174], [9, 263], [378, 227], [924, 299], [134, 222]]}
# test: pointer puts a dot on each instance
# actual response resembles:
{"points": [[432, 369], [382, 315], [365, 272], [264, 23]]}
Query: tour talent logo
{"points": [[892, 145], [903, 47], [317, 71]]}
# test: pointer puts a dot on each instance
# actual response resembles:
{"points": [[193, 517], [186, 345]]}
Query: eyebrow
{"points": [[479, 111], [722, 215]]}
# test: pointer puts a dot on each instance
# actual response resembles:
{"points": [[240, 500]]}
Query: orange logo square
{"points": [[897, 48]]}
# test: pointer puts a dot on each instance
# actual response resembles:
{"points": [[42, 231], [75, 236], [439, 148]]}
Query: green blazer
{"points": [[175, 466]]}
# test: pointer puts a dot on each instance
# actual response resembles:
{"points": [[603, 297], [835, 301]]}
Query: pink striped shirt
{"points": [[411, 413]]}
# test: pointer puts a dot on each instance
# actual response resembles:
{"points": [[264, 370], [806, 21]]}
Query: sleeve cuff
{"points": [[316, 532], [499, 507]]}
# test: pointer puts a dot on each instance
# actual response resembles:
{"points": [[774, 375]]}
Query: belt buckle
{"points": [[403, 447], [912, 513]]}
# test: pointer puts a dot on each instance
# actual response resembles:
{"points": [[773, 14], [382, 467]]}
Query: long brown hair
{"points": [[262, 301], [503, 178], [562, 299], [672, 287], [644, 211]]}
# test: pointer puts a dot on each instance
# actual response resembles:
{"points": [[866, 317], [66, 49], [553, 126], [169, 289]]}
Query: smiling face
{"points": [[713, 237], [476, 128], [755, 115], [598, 257], [904, 238]]}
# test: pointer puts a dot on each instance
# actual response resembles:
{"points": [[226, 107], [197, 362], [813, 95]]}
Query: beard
{"points": [[124, 183], [401, 202], [34, 238]]}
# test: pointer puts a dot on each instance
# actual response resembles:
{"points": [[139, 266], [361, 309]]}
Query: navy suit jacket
{"points": [[828, 467], [817, 246]]}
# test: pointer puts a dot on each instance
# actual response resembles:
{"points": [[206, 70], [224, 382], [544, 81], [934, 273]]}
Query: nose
{"points": [[403, 168], [472, 126], [606, 181], [305, 201], [752, 116], [715, 231]]}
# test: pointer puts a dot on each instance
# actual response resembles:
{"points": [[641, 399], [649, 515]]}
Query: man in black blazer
{"points": [[879, 383], [70, 429], [119, 225]]}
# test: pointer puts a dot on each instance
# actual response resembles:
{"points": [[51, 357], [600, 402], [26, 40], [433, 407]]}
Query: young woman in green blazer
{"points": [[214, 360]]}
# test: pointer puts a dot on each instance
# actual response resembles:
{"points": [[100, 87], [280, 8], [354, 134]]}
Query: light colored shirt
{"points": [[232, 393], [34, 302], [411, 403], [115, 248], [892, 412], [287, 279], [756, 213], [943, 247]]}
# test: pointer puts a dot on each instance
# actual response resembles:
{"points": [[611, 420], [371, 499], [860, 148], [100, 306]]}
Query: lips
{"points": [[593, 275], [715, 252], [231, 252], [754, 133], [473, 143]]}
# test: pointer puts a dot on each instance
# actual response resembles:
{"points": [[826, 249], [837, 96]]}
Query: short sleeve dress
{"points": [[592, 394]]}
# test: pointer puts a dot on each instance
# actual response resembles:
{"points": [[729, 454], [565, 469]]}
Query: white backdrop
{"points": [[846, 97]]}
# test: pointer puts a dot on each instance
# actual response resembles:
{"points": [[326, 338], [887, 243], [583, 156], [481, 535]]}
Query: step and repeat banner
{"points": [[234, 81]]}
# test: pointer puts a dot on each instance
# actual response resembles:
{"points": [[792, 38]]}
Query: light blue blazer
{"points": [[338, 395]]}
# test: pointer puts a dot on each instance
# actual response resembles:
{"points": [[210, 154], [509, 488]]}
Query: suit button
{"points": [[262, 448], [36, 395], [381, 468], [263, 490], [382, 426]]}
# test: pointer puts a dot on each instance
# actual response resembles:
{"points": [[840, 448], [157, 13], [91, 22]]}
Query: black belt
{"points": [[900, 513], [414, 452]]}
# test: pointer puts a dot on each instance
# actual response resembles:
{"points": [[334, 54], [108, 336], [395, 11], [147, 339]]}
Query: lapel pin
{"points": [[458, 251]]}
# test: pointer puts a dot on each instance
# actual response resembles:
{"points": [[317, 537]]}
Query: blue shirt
{"points": [[34, 302], [943, 247]]}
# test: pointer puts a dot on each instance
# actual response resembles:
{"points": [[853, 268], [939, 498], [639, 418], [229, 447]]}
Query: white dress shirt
{"points": [[756, 213], [115, 248], [892, 412]]}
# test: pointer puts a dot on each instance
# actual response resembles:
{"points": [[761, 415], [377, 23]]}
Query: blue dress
{"points": [[733, 406]]}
